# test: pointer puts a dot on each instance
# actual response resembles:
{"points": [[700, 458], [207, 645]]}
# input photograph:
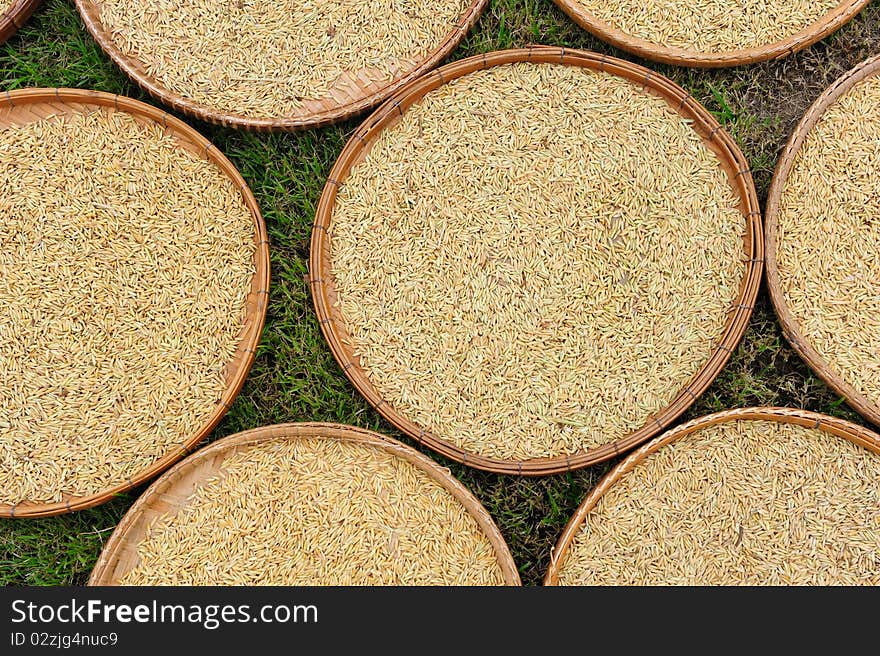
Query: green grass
{"points": [[295, 378]]}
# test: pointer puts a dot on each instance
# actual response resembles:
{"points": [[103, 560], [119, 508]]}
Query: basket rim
{"points": [[254, 320], [90, 14], [103, 568], [853, 432], [15, 16], [790, 326], [320, 279], [823, 27]]}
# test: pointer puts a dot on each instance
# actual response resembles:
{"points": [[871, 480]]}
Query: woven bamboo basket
{"points": [[828, 24], [831, 426], [24, 106], [15, 16], [169, 494], [333, 323], [354, 93], [792, 330]]}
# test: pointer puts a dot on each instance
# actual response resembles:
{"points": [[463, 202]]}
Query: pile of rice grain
{"points": [[710, 26], [125, 265], [828, 238], [738, 503], [317, 512], [536, 259], [263, 59]]}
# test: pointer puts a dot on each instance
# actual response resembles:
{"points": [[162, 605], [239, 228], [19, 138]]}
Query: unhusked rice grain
{"points": [[828, 238], [737, 503], [125, 266], [264, 59], [317, 512], [535, 259], [710, 26]]}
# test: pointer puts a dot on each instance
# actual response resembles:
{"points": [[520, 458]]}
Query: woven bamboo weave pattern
{"points": [[13, 14]]}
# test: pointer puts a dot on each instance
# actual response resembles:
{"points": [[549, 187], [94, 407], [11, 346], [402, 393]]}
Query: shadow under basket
{"points": [[855, 261], [714, 138], [752, 496], [340, 453], [678, 56], [15, 16], [26, 106], [353, 93]]}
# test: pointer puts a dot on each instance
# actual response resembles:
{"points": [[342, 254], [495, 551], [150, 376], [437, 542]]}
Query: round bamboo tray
{"points": [[828, 24], [14, 17], [790, 325], [731, 159], [24, 106], [354, 93], [831, 425], [170, 493]]}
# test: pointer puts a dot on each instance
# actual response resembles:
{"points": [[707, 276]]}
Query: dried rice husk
{"points": [[317, 512], [125, 265], [710, 26], [737, 503], [263, 59], [828, 238], [535, 259]]}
